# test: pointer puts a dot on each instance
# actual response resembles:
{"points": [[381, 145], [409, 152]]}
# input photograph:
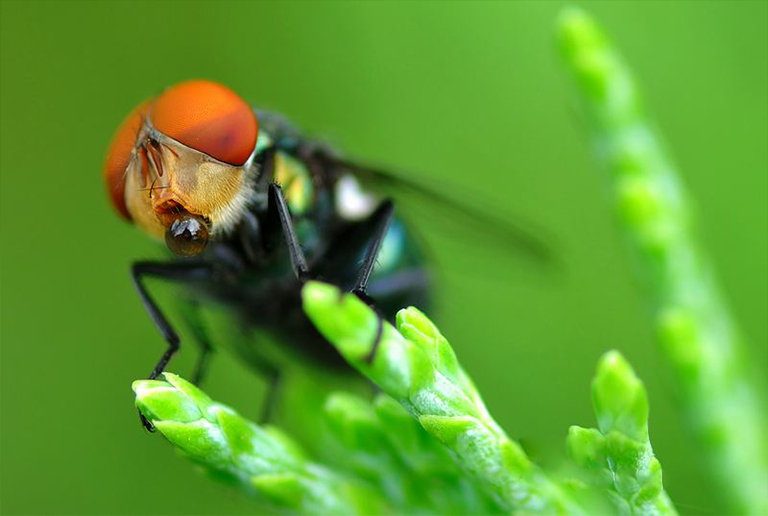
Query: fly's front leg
{"points": [[381, 219], [181, 272], [278, 216], [365, 236]]}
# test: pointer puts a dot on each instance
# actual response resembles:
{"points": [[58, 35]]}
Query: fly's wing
{"points": [[467, 212]]}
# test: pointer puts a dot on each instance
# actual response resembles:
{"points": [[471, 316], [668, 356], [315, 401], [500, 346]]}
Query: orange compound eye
{"points": [[119, 155], [207, 117]]}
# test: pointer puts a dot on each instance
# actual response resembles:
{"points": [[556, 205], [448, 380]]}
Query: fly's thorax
{"points": [[294, 178], [165, 178]]}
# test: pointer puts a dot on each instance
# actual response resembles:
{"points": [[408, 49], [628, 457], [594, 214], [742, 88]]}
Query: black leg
{"points": [[277, 210], [191, 315], [366, 235], [402, 281], [270, 400], [185, 272], [381, 218], [345, 248], [171, 271]]}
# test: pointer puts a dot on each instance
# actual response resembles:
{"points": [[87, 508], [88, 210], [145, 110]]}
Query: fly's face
{"points": [[181, 165], [174, 191]]}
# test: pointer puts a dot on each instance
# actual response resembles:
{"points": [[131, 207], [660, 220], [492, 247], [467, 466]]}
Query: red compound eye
{"points": [[119, 155], [207, 117]]}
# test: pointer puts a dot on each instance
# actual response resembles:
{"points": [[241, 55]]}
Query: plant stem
{"points": [[382, 444], [698, 338]]}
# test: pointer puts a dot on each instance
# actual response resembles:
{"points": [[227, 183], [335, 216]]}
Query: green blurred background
{"points": [[467, 92]]}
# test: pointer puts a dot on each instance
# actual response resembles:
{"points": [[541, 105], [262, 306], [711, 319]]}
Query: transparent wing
{"points": [[458, 209]]}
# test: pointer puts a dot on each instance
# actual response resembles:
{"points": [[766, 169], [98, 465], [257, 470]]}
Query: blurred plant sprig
{"points": [[712, 374]]}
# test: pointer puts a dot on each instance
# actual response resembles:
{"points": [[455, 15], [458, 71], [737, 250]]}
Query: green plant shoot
{"points": [[618, 457], [232, 449], [698, 337], [417, 367]]}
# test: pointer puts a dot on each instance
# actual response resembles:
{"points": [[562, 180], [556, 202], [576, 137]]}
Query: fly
{"points": [[251, 210]]}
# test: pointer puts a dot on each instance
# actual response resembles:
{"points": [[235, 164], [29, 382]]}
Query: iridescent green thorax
{"points": [[291, 174], [294, 178], [349, 203]]}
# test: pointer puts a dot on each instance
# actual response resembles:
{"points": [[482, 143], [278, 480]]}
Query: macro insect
{"points": [[251, 209]]}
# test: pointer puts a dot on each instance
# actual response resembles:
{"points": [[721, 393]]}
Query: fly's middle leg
{"points": [[279, 218]]}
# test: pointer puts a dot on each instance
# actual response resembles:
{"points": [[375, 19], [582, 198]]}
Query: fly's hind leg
{"points": [[269, 405], [191, 313]]}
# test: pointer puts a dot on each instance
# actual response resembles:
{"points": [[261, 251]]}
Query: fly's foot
{"points": [[362, 296], [146, 424]]}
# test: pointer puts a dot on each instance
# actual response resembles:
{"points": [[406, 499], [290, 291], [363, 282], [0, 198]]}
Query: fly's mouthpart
{"points": [[187, 235], [170, 208]]}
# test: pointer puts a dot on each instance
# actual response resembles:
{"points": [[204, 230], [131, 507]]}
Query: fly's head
{"points": [[181, 165]]}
